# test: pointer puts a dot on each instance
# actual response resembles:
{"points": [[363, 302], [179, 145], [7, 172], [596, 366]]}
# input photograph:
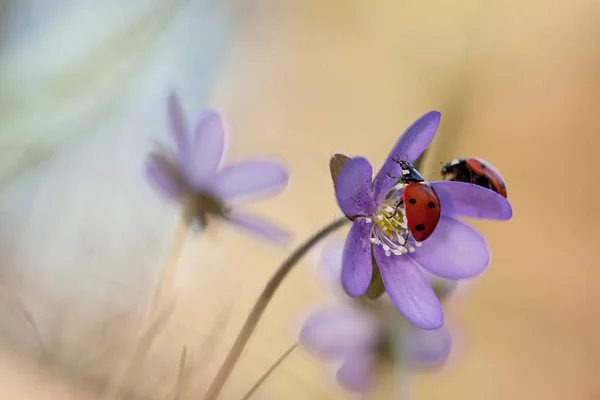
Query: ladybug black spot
{"points": [[483, 166], [412, 201], [503, 186], [419, 227], [431, 204]]}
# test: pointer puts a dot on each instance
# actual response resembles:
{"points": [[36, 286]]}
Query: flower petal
{"points": [[333, 332], [162, 176], [178, 124], [353, 188], [250, 178], [336, 165], [357, 371], [454, 250], [207, 148], [409, 290], [428, 348], [330, 263], [462, 199], [443, 287], [410, 145], [259, 226], [357, 264]]}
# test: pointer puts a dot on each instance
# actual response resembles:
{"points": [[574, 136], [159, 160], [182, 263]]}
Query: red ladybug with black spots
{"points": [[476, 171], [421, 202]]}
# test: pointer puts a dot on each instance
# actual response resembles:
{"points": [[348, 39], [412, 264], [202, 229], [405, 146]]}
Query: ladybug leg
{"points": [[396, 209], [397, 161]]}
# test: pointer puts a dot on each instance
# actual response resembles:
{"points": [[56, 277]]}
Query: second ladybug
{"points": [[476, 171]]}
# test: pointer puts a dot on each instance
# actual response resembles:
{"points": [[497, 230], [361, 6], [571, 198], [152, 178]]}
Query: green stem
{"points": [[261, 304]]}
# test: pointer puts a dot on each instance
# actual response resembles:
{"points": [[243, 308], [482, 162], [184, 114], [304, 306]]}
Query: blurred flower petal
{"points": [[428, 348], [178, 124], [259, 226], [250, 178], [330, 262], [207, 149], [159, 174], [333, 332], [357, 371]]}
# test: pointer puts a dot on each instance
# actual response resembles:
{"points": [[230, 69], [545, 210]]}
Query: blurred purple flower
{"points": [[363, 337], [454, 250], [191, 174]]}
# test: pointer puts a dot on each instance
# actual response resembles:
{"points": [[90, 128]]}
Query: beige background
{"points": [[518, 84]]}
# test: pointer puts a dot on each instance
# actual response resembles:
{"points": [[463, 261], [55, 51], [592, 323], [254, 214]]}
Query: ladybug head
{"points": [[404, 164]]}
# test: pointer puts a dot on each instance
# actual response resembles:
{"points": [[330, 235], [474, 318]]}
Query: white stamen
{"points": [[390, 229], [401, 239], [368, 220]]}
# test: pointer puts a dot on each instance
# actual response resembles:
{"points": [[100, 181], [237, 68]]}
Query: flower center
{"points": [[390, 229], [199, 206]]}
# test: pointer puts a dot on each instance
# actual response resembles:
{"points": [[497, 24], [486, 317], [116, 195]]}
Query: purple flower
{"points": [[454, 250], [363, 337], [192, 174]]}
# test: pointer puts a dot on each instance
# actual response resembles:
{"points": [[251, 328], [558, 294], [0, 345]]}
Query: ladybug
{"points": [[421, 202], [476, 171]]}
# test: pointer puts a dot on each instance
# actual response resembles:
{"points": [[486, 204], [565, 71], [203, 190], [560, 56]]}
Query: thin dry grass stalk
{"points": [[162, 290]]}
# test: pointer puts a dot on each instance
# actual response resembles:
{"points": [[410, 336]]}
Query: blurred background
{"points": [[82, 235]]}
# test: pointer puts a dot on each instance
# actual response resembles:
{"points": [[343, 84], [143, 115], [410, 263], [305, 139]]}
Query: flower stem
{"points": [[261, 304], [269, 371], [163, 287]]}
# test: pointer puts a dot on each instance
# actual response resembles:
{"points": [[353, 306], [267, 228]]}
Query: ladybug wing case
{"points": [[423, 210], [482, 167]]}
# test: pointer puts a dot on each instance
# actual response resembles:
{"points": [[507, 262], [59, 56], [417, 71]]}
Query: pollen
{"points": [[390, 218], [390, 230]]}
